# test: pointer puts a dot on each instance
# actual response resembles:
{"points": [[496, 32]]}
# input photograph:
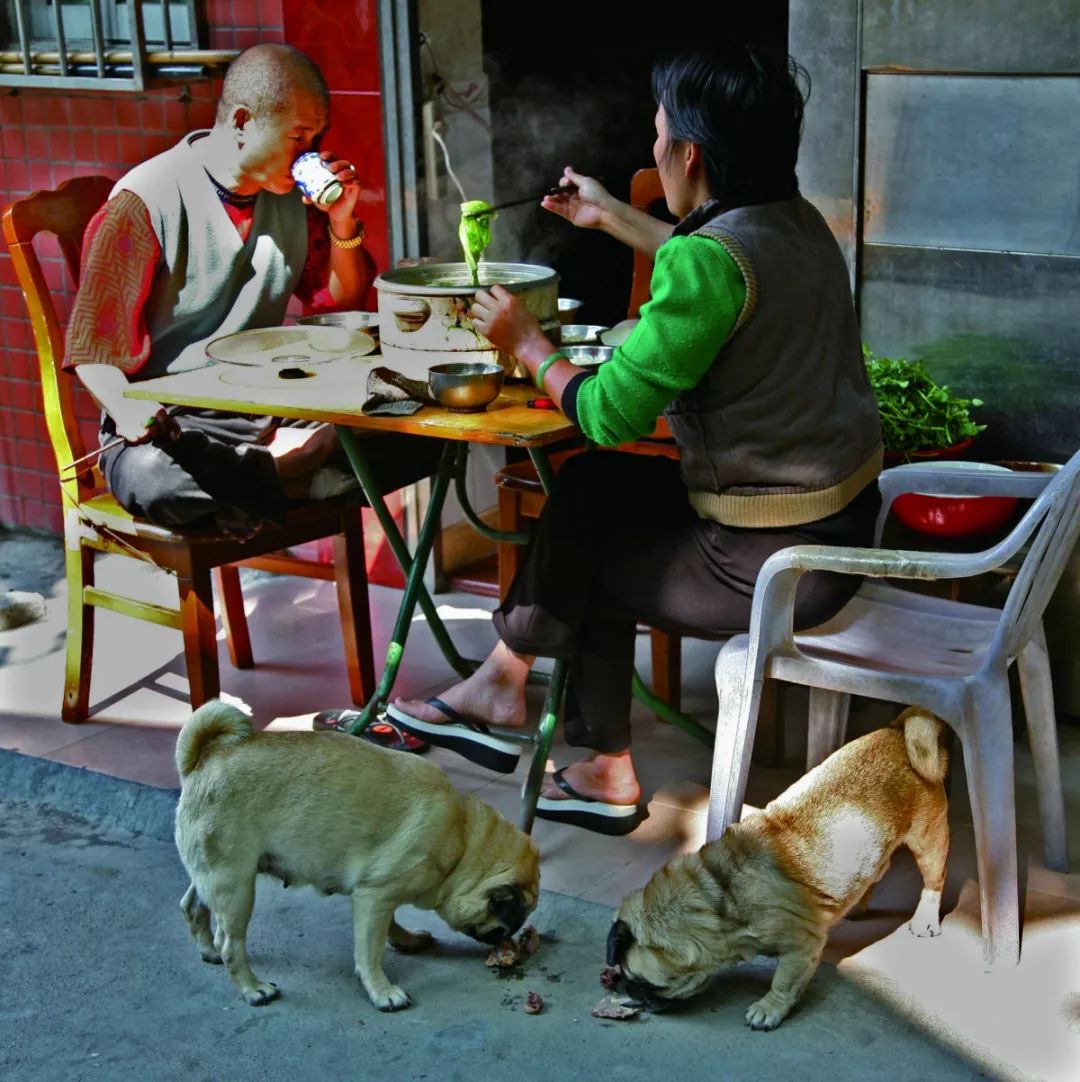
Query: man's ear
{"points": [[240, 119]]}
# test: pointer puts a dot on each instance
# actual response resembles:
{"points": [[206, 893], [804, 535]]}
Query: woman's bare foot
{"points": [[495, 693], [610, 778]]}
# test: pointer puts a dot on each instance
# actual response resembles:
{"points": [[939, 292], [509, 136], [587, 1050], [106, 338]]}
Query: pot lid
{"points": [[455, 279]]}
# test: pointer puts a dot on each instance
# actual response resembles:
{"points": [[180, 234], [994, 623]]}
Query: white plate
{"points": [[952, 464], [619, 333], [287, 346]]}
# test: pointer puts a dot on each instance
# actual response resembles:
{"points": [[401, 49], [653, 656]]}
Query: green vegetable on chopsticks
{"points": [[917, 413], [474, 232]]}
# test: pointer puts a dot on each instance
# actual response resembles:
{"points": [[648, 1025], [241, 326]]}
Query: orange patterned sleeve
{"points": [[120, 257]]}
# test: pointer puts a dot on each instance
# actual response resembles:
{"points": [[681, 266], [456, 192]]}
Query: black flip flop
{"points": [[467, 736], [383, 734], [590, 814]]}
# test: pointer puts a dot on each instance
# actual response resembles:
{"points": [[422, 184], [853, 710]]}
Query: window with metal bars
{"points": [[104, 44]]}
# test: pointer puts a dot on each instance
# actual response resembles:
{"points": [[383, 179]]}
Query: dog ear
{"points": [[507, 905], [619, 941]]}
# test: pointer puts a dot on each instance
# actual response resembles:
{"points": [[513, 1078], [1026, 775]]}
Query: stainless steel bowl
{"points": [[582, 334], [588, 356], [465, 387], [338, 322], [568, 309]]}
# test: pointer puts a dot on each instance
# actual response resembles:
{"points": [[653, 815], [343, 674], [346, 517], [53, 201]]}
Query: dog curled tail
{"points": [[214, 724], [924, 739]]}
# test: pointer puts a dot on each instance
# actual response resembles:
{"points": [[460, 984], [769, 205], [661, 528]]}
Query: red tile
{"points": [[247, 36], [61, 149], [41, 176], [221, 38], [152, 115], [86, 148], [36, 515], [127, 112], [246, 13], [91, 111], [58, 108], [218, 12], [343, 39], [14, 141], [200, 115], [37, 144], [176, 116], [22, 395], [356, 133], [106, 148], [11, 110], [131, 152]]}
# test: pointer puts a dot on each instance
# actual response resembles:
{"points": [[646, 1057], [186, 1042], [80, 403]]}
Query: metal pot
{"points": [[423, 311]]}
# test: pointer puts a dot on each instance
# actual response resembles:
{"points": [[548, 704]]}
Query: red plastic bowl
{"points": [[954, 516]]}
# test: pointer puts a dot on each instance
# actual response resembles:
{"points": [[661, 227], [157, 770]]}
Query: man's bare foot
{"points": [[495, 693], [610, 778], [300, 451]]}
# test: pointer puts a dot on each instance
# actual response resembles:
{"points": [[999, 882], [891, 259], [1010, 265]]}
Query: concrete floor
{"points": [[102, 980], [98, 872]]}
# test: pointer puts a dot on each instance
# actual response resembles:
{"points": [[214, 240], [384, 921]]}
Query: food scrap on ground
{"points": [[504, 955], [534, 1004], [617, 1007], [529, 940], [510, 951], [609, 977]]}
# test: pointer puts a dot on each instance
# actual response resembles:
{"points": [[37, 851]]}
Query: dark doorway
{"points": [[569, 85]]}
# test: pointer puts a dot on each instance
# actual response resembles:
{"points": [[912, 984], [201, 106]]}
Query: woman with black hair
{"points": [[750, 348]]}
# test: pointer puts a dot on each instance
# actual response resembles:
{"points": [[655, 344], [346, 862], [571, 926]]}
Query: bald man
{"points": [[209, 238]]}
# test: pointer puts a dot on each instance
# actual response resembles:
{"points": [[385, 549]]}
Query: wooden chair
{"points": [[95, 523], [521, 496]]}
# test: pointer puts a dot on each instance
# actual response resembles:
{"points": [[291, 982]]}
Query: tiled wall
{"points": [[48, 136]]}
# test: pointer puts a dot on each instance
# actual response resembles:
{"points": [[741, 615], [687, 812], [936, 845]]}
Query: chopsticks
{"points": [[556, 190], [172, 411]]}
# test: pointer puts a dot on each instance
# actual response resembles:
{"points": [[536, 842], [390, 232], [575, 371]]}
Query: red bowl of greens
{"points": [[954, 515]]}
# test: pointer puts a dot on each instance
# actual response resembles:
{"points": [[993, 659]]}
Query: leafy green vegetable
{"points": [[917, 413], [474, 232]]}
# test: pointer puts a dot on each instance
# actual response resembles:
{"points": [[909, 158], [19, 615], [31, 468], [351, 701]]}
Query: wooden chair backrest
{"points": [[64, 212], [645, 190]]}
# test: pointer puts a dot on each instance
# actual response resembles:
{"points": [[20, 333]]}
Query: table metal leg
{"points": [[644, 694], [412, 566], [545, 733]]}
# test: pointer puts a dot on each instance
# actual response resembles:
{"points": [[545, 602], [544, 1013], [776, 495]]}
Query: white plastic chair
{"points": [[947, 656]]}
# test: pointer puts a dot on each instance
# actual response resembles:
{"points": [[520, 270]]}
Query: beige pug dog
{"points": [[776, 882], [345, 817]]}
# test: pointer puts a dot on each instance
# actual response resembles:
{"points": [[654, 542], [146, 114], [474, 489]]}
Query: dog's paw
{"points": [[393, 999], [924, 928], [764, 1016], [406, 942], [210, 954], [264, 992]]}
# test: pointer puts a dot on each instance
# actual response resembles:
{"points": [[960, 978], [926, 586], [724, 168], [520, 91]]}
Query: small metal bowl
{"points": [[338, 325], [588, 356], [582, 334], [569, 308], [463, 386]]}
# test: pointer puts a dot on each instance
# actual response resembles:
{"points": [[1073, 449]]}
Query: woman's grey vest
{"points": [[784, 427]]}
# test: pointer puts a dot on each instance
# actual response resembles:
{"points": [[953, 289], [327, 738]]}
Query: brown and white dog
{"points": [[345, 817], [776, 882]]}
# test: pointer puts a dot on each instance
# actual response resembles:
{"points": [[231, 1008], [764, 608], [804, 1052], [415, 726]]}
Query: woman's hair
{"points": [[744, 107]]}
